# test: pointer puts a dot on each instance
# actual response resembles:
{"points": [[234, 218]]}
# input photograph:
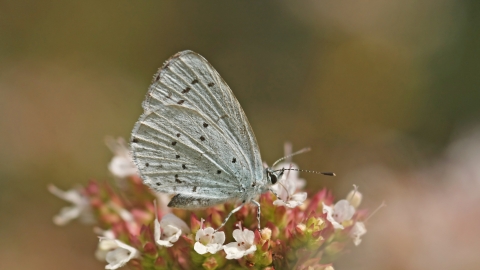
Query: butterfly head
{"points": [[274, 176]]}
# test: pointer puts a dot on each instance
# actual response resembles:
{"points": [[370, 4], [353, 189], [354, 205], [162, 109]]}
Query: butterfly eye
{"points": [[273, 178]]}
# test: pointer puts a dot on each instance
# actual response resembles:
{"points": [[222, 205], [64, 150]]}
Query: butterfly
{"points": [[194, 141]]}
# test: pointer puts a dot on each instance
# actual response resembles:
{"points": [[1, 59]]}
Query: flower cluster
{"points": [[135, 227]]}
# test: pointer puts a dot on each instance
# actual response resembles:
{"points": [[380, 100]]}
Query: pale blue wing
{"points": [[194, 139]]}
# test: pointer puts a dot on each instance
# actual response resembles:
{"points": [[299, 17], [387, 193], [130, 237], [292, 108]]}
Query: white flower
{"points": [[343, 210], [285, 190], [169, 229], [243, 246], [80, 208], [208, 241], [121, 164], [329, 211], [104, 246], [357, 231], [340, 212], [119, 254]]}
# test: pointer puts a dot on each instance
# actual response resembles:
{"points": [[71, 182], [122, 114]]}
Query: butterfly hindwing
{"points": [[177, 154]]}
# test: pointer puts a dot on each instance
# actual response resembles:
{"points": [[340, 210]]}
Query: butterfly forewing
{"points": [[194, 139]]}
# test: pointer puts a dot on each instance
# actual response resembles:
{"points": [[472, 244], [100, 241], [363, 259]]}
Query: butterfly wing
{"points": [[194, 139]]}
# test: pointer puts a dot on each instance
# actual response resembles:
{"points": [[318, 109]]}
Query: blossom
{"points": [[169, 229], [119, 254], [80, 208], [357, 231], [243, 246], [104, 246], [121, 164], [336, 213], [208, 240], [285, 190]]}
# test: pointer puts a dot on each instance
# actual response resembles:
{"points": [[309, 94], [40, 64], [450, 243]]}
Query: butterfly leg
{"points": [[258, 212], [229, 215], [276, 195]]}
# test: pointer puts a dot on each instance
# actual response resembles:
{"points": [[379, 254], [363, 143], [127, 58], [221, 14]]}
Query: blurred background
{"points": [[385, 92]]}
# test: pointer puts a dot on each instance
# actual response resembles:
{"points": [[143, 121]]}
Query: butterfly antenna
{"points": [[291, 155], [298, 170]]}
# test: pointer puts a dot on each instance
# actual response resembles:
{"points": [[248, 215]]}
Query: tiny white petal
{"points": [[279, 203], [200, 248]]}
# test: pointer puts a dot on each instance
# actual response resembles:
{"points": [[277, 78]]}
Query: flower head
{"points": [[80, 208], [121, 164], [208, 241], [243, 246], [285, 189], [120, 253], [169, 229], [357, 231]]}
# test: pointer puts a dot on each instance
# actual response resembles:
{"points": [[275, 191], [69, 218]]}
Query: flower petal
{"points": [[200, 248], [238, 235], [249, 236], [279, 203], [67, 214], [200, 233], [299, 197], [219, 238]]}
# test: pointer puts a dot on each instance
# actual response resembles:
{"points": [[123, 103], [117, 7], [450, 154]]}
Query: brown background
{"points": [[378, 89]]}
